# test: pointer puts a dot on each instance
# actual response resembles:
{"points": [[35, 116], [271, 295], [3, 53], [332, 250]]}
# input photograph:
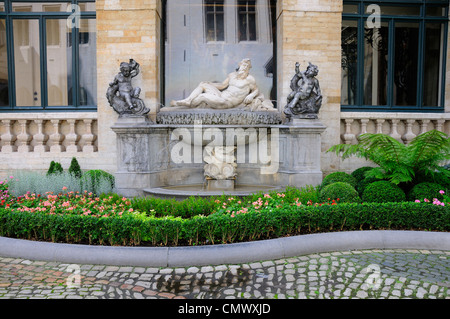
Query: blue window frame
{"points": [[394, 55], [47, 56]]}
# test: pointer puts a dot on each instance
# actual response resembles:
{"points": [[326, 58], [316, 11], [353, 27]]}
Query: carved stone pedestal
{"points": [[171, 157]]}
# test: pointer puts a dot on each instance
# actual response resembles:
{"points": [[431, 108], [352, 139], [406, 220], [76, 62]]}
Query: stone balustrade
{"points": [[404, 127], [48, 132]]}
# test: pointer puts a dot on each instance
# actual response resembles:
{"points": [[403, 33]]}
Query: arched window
{"points": [[47, 55], [394, 55]]}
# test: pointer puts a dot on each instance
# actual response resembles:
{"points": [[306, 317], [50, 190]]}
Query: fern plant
{"points": [[397, 162]]}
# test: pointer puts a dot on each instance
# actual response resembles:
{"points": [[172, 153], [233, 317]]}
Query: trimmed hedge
{"points": [[139, 229]]}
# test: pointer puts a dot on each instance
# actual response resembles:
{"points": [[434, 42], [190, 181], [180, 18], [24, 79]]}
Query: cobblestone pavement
{"points": [[380, 274]]}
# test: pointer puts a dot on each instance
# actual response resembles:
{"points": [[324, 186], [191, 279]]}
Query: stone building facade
{"points": [[306, 31]]}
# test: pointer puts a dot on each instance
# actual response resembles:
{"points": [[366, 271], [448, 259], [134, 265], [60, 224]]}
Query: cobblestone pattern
{"points": [[380, 274]]}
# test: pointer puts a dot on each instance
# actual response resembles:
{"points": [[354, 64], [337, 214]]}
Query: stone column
{"points": [[310, 31], [126, 29]]}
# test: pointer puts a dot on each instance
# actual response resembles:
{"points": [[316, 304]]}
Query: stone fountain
{"points": [[223, 138]]}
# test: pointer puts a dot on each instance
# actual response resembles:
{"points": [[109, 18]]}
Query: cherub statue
{"points": [[121, 95], [305, 99]]}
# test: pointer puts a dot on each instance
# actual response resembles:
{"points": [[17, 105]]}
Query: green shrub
{"points": [[425, 190], [383, 192], [359, 173], [397, 162], [98, 181], [75, 168], [54, 168], [338, 177], [345, 192], [361, 186]]}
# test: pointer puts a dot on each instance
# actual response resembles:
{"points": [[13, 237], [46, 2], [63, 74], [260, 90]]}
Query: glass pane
{"points": [[220, 35], [436, 11], [406, 63], [3, 66], [2, 6], [40, 6], [210, 30], [27, 62], [191, 59], [247, 21], [376, 65], [398, 11], [350, 8], [88, 62], [90, 6], [432, 85], [59, 63], [242, 27], [214, 13], [349, 59], [252, 27]]}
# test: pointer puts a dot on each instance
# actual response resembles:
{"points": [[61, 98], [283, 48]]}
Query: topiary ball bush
{"points": [[362, 184], [383, 192], [338, 177], [359, 173], [98, 181], [425, 190], [345, 192]]}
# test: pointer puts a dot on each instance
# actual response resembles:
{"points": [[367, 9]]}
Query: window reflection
{"points": [[247, 20], [214, 20], [59, 63], [87, 60], [206, 39], [376, 65], [434, 39], [406, 63], [27, 62], [349, 61], [3, 66]]}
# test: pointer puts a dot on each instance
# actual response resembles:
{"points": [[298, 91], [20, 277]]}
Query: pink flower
{"points": [[426, 200], [64, 188], [417, 201], [442, 192]]}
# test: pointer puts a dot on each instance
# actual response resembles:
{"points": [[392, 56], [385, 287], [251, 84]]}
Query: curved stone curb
{"points": [[223, 254]]}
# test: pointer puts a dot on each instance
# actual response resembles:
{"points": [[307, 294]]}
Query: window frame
{"points": [[247, 13], [9, 16], [214, 14], [361, 17]]}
